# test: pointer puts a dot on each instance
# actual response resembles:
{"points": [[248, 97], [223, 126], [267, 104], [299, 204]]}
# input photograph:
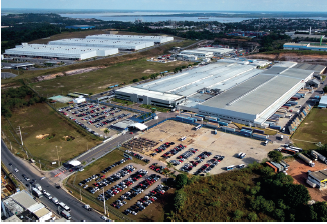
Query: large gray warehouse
{"points": [[229, 89]]}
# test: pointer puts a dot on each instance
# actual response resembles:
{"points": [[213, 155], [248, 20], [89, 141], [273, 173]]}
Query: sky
{"points": [[194, 5]]}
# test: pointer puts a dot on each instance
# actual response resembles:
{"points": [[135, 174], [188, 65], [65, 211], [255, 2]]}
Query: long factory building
{"points": [[155, 39], [59, 51], [122, 45], [229, 89]]}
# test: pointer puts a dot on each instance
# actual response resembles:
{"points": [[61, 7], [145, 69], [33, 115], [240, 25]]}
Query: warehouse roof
{"points": [[102, 42], [13, 218], [255, 95], [323, 101], [123, 124], [221, 75], [24, 199], [316, 68], [13, 206], [42, 212], [215, 49], [153, 94], [319, 175], [36, 207], [134, 37]]}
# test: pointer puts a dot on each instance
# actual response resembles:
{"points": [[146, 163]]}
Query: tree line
{"points": [[17, 98]]}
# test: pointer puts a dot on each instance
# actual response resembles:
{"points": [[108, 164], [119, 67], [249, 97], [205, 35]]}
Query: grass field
{"points": [[99, 80], [40, 119], [29, 74], [312, 130]]}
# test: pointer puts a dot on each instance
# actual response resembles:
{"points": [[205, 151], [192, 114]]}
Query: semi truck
{"points": [[306, 159], [284, 150], [280, 168], [320, 157], [38, 186], [64, 206], [37, 193]]}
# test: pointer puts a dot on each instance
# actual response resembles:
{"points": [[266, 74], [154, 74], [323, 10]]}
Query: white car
{"points": [[104, 218], [16, 170], [55, 200]]}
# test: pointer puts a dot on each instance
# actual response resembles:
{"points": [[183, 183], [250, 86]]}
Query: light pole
{"points": [[57, 155]]}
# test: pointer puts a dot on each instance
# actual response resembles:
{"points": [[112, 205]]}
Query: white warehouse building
{"points": [[122, 45], [59, 51], [199, 54], [227, 89], [155, 39], [217, 52]]}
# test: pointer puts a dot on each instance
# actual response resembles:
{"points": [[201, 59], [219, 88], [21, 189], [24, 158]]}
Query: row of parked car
{"points": [[157, 168], [138, 156], [174, 151], [122, 185], [144, 202], [106, 170], [164, 146], [206, 168], [136, 190]]}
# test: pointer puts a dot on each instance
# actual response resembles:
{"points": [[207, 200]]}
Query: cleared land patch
{"points": [[89, 82], [43, 134]]}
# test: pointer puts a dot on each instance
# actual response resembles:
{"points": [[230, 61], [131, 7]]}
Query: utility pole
{"points": [[20, 133], [104, 203], [57, 155]]}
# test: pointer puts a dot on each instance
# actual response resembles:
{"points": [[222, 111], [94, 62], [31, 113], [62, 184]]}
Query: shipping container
{"points": [[291, 152], [263, 137], [275, 127], [222, 123], [279, 167], [228, 129], [306, 159], [258, 131]]}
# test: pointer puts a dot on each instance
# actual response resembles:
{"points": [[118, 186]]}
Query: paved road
{"points": [[78, 213]]}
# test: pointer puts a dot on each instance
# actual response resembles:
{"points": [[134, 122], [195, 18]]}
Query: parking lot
{"points": [[96, 118], [221, 149], [126, 186]]}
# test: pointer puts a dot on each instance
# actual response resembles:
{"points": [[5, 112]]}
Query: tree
{"points": [[106, 131], [144, 77], [238, 214], [325, 89], [295, 195], [135, 80], [181, 180], [179, 199], [275, 156], [252, 216]]}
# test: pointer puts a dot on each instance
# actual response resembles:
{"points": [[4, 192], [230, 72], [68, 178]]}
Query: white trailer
{"points": [[321, 157], [306, 159]]}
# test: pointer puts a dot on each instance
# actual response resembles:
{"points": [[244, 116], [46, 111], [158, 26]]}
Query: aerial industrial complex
{"points": [[123, 45], [92, 46], [233, 90], [59, 51]]}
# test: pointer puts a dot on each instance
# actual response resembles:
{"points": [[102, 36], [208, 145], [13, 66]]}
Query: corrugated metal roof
{"points": [[36, 207], [24, 199]]}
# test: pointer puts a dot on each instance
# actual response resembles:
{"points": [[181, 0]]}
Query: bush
{"points": [[252, 216], [238, 214], [179, 199], [275, 156], [181, 181]]}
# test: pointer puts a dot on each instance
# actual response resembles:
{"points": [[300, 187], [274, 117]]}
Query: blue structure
{"points": [[82, 27]]}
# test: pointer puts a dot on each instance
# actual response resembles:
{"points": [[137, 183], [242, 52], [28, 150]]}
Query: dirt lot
{"points": [[225, 144], [291, 57], [299, 171]]}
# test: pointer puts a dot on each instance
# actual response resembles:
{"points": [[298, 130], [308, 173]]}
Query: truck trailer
{"points": [[306, 159], [320, 157]]}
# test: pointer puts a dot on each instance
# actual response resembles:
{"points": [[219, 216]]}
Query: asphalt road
{"points": [[78, 213]]}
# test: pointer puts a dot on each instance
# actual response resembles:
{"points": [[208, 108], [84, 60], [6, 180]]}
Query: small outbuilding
{"points": [[323, 102], [139, 126]]}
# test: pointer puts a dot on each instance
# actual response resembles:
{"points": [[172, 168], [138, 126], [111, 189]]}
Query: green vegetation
{"points": [[275, 156], [18, 98], [160, 109], [124, 102], [44, 133], [312, 130], [181, 180], [325, 88], [251, 194]]}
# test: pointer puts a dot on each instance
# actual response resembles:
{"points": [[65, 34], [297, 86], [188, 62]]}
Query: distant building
{"points": [[299, 46], [82, 27]]}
